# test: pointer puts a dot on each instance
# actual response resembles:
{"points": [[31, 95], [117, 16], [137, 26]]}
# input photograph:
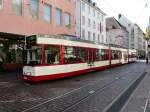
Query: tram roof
{"points": [[73, 38]]}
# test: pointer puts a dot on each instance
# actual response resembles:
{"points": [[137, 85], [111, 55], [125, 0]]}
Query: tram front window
{"points": [[34, 55]]}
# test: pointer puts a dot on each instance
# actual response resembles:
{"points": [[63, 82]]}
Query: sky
{"points": [[135, 10]]}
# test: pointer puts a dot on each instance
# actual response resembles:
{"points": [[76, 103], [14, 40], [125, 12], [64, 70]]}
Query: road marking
{"points": [[91, 92], [146, 102], [31, 99], [8, 101]]}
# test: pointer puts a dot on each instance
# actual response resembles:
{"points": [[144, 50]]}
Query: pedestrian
{"points": [[147, 60], [1, 63]]}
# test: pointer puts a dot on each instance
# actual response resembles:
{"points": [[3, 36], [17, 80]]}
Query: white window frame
{"points": [[1, 6]]}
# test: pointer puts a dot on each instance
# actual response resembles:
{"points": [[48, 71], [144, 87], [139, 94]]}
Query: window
{"points": [[83, 6], [58, 17], [34, 55], [89, 9], [83, 33], [74, 55], [47, 13], [67, 20], [93, 12], [52, 55], [83, 20], [89, 35], [102, 39], [102, 54], [17, 7], [98, 27], [93, 24], [34, 8], [1, 4], [98, 15], [89, 23], [98, 38], [102, 17], [93, 36], [115, 54]]}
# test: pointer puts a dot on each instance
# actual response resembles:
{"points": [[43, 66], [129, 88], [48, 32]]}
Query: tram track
{"points": [[117, 103], [80, 89], [93, 90], [36, 106]]}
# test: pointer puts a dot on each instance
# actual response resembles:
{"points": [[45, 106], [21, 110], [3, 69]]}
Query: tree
{"points": [[147, 37]]}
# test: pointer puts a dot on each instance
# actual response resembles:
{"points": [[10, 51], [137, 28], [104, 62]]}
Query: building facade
{"points": [[20, 18], [136, 36], [139, 41], [116, 33], [37, 16], [130, 28], [89, 21]]}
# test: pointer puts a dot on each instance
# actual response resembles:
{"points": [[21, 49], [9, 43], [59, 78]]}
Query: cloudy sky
{"points": [[135, 10]]}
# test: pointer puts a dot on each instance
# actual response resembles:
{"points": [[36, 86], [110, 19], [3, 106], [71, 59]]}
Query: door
{"points": [[90, 57]]}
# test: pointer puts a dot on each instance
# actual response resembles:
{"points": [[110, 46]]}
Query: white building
{"points": [[139, 40], [136, 35], [89, 21], [130, 28], [116, 33]]}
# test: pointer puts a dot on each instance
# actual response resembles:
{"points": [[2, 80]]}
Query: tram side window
{"points": [[119, 54], [101, 55], [52, 55], [133, 55], [74, 54], [116, 54], [34, 55], [81, 54]]}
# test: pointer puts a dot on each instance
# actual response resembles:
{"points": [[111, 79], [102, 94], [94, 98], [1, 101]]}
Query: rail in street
{"points": [[92, 92]]}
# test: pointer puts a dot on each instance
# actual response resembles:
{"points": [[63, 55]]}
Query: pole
{"points": [[80, 19]]}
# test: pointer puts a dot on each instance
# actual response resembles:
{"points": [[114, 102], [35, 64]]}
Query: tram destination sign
{"points": [[31, 39]]}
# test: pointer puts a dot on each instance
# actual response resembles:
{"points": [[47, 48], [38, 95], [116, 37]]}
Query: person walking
{"points": [[147, 60], [1, 63]]}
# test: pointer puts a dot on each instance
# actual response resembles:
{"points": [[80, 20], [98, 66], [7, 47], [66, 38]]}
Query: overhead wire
{"points": [[142, 12], [110, 6]]}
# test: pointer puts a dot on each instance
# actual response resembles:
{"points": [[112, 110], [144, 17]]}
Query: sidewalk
{"points": [[139, 101]]}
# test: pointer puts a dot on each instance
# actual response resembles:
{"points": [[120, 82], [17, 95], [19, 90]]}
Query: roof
{"points": [[89, 2], [112, 23]]}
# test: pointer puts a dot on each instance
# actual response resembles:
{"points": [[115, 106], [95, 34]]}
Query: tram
{"points": [[51, 57]]}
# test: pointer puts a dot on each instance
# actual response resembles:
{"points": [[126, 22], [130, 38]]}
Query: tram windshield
{"points": [[34, 55]]}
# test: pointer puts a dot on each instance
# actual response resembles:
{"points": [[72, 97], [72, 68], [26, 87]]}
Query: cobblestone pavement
{"points": [[139, 101], [91, 92]]}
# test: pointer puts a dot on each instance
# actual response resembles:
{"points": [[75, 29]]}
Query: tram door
{"points": [[90, 57]]}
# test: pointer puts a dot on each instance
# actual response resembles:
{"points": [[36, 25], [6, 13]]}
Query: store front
{"points": [[141, 54], [11, 52]]}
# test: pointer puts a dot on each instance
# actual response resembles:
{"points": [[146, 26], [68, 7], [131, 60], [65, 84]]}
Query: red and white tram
{"points": [[51, 57]]}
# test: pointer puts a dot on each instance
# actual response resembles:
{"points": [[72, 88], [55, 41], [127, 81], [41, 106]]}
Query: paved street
{"points": [[92, 92], [140, 99]]}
